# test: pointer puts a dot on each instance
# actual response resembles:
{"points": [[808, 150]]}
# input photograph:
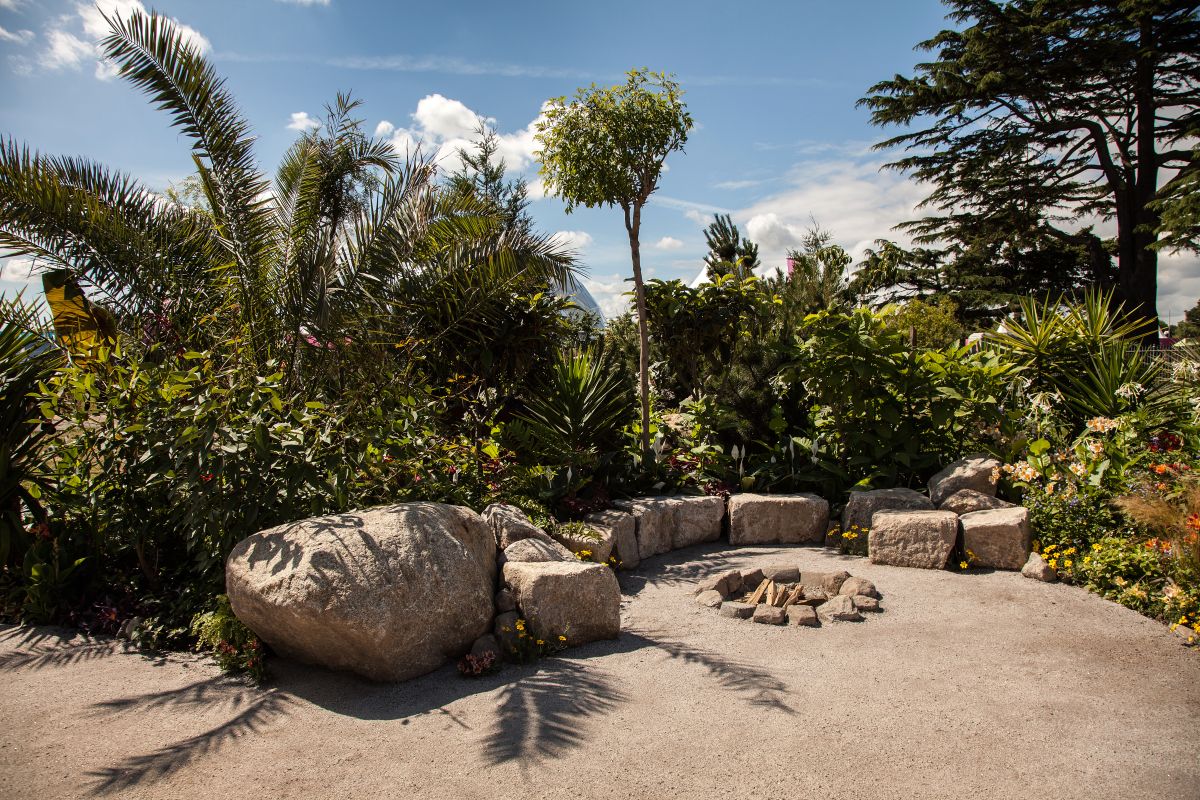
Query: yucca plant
{"points": [[347, 250]]}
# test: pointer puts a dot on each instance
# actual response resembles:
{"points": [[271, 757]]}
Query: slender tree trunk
{"points": [[1137, 261], [633, 226]]}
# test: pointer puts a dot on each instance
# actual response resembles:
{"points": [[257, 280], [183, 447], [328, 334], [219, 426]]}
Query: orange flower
{"points": [[1193, 522], [1159, 469]]}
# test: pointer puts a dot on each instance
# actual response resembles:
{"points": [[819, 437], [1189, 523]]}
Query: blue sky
{"points": [[772, 87]]}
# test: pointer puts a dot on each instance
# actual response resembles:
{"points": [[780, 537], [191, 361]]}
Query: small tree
{"points": [[606, 147]]}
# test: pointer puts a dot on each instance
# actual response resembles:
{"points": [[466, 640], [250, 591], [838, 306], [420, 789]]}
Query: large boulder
{"points": [[578, 600], [922, 539], [999, 538], [389, 593], [510, 524], [777, 519], [697, 520], [862, 505], [654, 523], [973, 472], [965, 501], [618, 528]]}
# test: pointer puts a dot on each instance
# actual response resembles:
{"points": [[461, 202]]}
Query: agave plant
{"points": [[348, 248]]}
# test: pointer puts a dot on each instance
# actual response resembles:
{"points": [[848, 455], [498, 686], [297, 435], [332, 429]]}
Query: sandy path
{"points": [[987, 686]]}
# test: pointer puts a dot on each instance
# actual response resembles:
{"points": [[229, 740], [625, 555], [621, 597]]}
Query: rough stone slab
{"points": [[864, 603], [920, 539], [726, 583], [777, 519], [510, 524], [531, 550], [805, 616], [736, 610], [999, 538], [828, 582], [813, 597], [858, 586], [367, 591], [1037, 569], [769, 615], [697, 520], [579, 600], [654, 523], [964, 501], [710, 598], [620, 527], [862, 505], [839, 609], [599, 542], [973, 472]]}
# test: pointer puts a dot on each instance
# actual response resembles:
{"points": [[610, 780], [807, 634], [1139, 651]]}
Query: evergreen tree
{"points": [[1036, 113], [728, 251]]}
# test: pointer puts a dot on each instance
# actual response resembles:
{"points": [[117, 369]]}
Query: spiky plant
{"points": [[348, 249]]}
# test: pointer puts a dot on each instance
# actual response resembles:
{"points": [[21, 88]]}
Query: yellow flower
{"points": [[540, 642], [1067, 563], [562, 638], [520, 624], [1096, 546], [962, 565]]}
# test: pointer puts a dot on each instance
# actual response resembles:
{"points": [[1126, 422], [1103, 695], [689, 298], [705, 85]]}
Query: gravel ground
{"points": [[984, 685]]}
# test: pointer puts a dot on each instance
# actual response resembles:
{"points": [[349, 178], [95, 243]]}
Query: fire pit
{"points": [[779, 594]]}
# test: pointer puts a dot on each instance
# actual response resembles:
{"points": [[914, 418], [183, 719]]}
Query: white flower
{"points": [[1130, 391]]}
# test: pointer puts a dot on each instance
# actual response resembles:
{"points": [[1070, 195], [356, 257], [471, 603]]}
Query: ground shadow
{"points": [[260, 709], [44, 647]]}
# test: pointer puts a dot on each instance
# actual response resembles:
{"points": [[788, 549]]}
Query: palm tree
{"points": [[349, 248]]}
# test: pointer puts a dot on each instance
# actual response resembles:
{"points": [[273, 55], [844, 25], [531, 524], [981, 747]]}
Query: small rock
{"points": [[505, 601], [828, 582], [726, 583], [486, 644], [733, 581], [864, 603], [1187, 635], [505, 630], [769, 615], [736, 610], [781, 573], [840, 608], [857, 586], [710, 598], [751, 580], [510, 524], [814, 597], [802, 615], [1037, 569]]}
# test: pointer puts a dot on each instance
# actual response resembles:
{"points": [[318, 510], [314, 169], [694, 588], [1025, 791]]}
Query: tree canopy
{"points": [[1037, 115], [606, 147]]}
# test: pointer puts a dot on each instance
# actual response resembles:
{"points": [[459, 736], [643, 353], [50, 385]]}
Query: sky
{"points": [[779, 142]]}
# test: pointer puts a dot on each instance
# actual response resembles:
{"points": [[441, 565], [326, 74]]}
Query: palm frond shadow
{"points": [[697, 566], [216, 692], [43, 656], [540, 714], [167, 760], [754, 684]]}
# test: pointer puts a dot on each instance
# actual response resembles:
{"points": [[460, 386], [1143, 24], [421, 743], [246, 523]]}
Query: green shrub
{"points": [[232, 644]]}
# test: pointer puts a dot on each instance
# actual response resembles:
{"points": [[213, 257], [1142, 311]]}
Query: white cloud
{"points": [[72, 39], [734, 185], [667, 243], [444, 126], [65, 50], [19, 37], [609, 293], [573, 240], [11, 5], [1178, 284], [301, 121], [304, 2], [17, 275]]}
